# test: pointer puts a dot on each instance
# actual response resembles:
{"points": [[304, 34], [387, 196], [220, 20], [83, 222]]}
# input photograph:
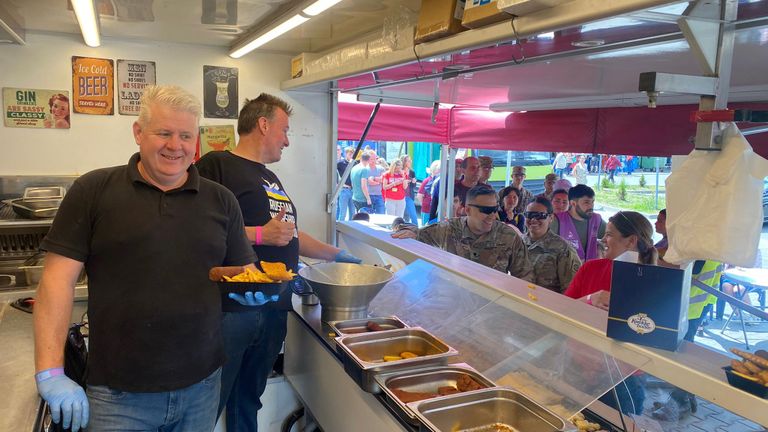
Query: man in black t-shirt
{"points": [[253, 339], [147, 234]]}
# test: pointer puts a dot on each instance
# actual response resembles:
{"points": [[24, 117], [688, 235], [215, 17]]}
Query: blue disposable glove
{"points": [[65, 398], [346, 257], [251, 298]]}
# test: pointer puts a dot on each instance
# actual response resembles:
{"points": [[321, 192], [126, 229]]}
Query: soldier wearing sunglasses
{"points": [[479, 236], [554, 260]]}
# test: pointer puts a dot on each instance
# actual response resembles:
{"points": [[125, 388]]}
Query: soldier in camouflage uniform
{"points": [[554, 260], [479, 236]]}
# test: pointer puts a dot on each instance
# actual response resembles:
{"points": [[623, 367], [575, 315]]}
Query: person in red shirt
{"points": [[393, 186], [627, 231]]}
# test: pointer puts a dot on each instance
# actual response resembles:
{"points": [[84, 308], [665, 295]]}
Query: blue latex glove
{"points": [[251, 298], [66, 400], [346, 257]]}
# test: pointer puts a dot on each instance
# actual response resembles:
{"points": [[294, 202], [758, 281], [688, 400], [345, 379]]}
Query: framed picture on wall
{"points": [[216, 138], [220, 98], [35, 108], [132, 77], [93, 83]]}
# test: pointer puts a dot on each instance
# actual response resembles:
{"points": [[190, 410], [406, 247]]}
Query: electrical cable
{"points": [[418, 59], [517, 40]]}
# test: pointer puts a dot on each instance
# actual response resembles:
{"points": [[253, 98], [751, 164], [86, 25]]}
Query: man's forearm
{"points": [[52, 316], [364, 186], [311, 247]]}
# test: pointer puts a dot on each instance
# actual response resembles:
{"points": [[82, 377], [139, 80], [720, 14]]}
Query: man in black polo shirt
{"points": [[253, 339], [147, 234]]}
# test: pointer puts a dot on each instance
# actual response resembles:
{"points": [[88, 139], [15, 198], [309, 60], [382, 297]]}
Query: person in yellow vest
{"points": [[705, 274]]}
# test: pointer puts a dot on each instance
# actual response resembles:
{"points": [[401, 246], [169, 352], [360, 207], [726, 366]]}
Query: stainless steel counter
{"points": [[315, 372], [19, 401]]}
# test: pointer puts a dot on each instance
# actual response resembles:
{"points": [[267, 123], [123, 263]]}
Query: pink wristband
{"points": [[48, 373], [257, 236]]}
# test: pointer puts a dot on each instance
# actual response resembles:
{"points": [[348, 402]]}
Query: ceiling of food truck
{"points": [[208, 22], [558, 73]]}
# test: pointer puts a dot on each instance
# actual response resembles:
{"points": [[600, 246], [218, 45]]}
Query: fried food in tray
{"points": [[753, 367], [463, 383]]}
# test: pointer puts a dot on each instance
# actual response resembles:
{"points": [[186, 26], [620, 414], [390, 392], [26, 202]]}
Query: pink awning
{"points": [[392, 123]]}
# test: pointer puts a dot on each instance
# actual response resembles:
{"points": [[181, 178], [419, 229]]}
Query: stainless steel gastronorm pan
{"points": [[481, 410], [363, 354], [424, 380], [357, 326]]}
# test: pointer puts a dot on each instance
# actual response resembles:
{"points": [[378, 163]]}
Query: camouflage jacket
{"points": [[500, 249], [554, 260], [526, 197]]}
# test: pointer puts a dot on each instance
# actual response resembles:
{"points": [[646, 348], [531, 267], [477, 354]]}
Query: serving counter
{"points": [[548, 346]]}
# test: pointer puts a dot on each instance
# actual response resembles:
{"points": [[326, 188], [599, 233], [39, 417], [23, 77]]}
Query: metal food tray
{"points": [[35, 209], [357, 326], [425, 380], [46, 192], [363, 354], [480, 410]]}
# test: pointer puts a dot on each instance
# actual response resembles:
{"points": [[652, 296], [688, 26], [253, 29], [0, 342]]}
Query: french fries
{"points": [[754, 366], [273, 273]]}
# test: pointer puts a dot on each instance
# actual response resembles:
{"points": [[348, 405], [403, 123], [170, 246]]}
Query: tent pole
{"points": [[509, 168], [657, 184]]}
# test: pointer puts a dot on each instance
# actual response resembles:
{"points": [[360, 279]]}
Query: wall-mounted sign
{"points": [[216, 138], [132, 77], [93, 86], [34, 108], [220, 92]]}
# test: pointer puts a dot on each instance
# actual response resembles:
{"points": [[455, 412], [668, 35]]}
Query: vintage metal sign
{"points": [[216, 138], [35, 108], [132, 77], [220, 92], [93, 86]]}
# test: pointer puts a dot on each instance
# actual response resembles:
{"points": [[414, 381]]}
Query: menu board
{"points": [[34, 108], [220, 92], [132, 77], [93, 86], [216, 138]]}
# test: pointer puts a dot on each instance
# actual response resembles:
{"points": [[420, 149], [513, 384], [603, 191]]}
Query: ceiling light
{"points": [[88, 20], [285, 26], [319, 6]]}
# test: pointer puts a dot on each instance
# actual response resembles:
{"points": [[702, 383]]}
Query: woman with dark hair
{"points": [[628, 234], [508, 199], [628, 237]]}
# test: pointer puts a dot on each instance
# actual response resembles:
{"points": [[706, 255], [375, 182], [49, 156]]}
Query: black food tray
{"points": [[747, 385]]}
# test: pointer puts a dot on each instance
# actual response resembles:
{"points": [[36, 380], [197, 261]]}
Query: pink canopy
{"points": [[641, 131]]}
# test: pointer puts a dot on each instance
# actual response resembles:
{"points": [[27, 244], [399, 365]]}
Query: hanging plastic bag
{"points": [[714, 204]]}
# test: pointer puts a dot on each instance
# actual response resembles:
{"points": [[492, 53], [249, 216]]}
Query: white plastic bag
{"points": [[714, 204]]}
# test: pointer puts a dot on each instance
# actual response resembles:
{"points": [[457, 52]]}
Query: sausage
{"points": [[373, 327]]}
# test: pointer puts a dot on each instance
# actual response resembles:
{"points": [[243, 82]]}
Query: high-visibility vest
{"points": [[709, 276]]}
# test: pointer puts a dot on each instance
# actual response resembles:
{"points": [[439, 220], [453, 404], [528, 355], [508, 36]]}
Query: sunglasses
{"points": [[485, 209], [536, 215]]}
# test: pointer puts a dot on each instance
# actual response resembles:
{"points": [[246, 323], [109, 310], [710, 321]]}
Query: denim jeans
{"points": [[345, 205], [189, 409], [631, 394], [377, 202], [361, 206], [410, 211], [252, 342]]}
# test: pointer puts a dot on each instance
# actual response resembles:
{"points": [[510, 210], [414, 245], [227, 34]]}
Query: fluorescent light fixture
{"points": [[285, 26], [419, 103], [319, 6], [88, 20]]}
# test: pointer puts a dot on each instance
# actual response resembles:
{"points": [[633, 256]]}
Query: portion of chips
{"points": [[273, 273]]}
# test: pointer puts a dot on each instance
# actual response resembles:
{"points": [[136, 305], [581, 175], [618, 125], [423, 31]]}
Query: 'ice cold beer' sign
{"points": [[93, 85]]}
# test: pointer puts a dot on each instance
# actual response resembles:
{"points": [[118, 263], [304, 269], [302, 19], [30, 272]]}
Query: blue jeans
{"points": [[631, 397], [345, 204], [424, 219], [252, 342], [410, 211], [189, 409], [377, 204]]}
